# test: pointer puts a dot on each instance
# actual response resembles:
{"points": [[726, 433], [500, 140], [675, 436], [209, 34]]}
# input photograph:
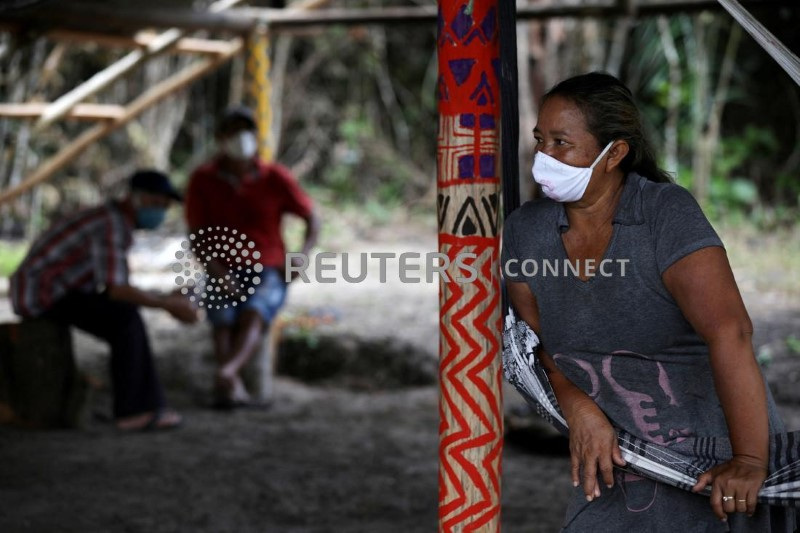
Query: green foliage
{"points": [[765, 355], [793, 343], [11, 255], [790, 183], [735, 194], [754, 172], [735, 150]]}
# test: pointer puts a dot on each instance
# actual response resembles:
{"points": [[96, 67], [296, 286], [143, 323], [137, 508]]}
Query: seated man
{"points": [[238, 193], [76, 273]]}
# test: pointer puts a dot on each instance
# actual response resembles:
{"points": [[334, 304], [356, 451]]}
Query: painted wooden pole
{"points": [[470, 431], [260, 88]]}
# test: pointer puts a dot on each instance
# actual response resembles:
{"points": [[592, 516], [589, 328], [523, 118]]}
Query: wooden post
{"points": [[470, 431], [39, 383]]}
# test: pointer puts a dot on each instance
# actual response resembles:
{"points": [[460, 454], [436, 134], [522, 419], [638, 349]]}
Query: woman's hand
{"points": [[592, 440], [734, 485], [593, 446]]}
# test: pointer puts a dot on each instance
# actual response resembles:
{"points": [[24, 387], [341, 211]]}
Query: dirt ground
{"points": [[331, 455]]}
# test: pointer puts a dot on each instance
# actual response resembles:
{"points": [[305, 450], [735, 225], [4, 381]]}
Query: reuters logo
{"points": [[233, 252]]}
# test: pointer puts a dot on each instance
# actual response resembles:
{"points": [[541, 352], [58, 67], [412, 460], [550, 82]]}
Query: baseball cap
{"points": [[232, 115], [155, 182]]}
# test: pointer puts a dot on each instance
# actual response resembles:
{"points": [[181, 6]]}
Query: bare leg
{"points": [[223, 337], [226, 391], [246, 338]]}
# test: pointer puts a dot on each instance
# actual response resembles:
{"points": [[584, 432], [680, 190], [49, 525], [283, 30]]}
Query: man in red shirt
{"points": [[238, 194]]}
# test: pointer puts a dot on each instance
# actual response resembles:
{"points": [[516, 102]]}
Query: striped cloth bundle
{"points": [[678, 465]]}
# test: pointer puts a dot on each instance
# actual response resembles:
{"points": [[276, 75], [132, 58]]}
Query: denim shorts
{"points": [[267, 300]]}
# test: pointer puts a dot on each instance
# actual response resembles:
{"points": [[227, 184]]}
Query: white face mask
{"points": [[242, 146], [562, 182]]}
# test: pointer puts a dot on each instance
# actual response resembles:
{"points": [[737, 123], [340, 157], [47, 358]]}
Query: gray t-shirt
{"points": [[622, 338]]}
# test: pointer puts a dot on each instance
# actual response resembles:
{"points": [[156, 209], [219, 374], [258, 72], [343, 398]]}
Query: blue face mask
{"points": [[150, 217]]}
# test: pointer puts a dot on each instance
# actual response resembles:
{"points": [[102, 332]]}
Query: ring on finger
{"points": [[727, 498]]}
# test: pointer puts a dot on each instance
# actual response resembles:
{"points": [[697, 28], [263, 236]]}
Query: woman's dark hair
{"points": [[611, 114]]}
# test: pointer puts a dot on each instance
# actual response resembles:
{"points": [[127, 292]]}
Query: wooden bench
{"points": [[40, 386]]}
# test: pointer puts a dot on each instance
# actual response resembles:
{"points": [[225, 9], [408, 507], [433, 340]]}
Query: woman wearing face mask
{"points": [[641, 326]]}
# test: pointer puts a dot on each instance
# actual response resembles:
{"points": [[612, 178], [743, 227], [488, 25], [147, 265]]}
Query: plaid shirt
{"points": [[86, 251]]}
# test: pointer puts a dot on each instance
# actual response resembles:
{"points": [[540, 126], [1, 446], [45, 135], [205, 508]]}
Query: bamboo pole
{"points": [[115, 71], [787, 60], [470, 430], [132, 110]]}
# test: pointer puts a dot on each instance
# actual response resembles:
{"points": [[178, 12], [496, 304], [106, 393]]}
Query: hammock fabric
{"points": [[678, 465]]}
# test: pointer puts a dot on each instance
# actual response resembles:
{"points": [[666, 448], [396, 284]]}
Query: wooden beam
{"points": [[93, 17], [189, 45], [280, 19], [119, 18], [115, 71], [79, 112], [150, 97]]}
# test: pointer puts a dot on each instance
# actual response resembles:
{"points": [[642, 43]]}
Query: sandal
{"points": [[160, 420]]}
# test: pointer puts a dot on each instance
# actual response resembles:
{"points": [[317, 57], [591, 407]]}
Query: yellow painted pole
{"points": [[260, 89]]}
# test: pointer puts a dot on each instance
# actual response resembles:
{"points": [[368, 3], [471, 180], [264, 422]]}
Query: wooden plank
{"points": [[132, 110], [79, 112], [190, 45], [115, 71], [194, 45]]}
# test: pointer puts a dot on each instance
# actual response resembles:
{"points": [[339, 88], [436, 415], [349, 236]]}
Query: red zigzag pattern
{"points": [[470, 408]]}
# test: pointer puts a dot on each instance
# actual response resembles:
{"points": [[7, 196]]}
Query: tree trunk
{"points": [[527, 115], [674, 96]]}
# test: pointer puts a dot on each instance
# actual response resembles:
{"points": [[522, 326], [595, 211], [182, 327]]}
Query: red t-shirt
{"points": [[253, 206]]}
